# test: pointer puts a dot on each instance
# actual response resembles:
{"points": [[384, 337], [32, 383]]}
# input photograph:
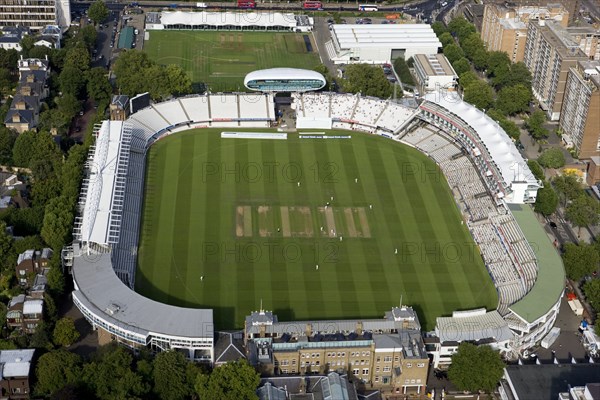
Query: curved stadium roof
{"points": [[291, 74]]}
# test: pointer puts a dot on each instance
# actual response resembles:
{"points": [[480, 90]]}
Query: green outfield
{"points": [[222, 59], [230, 222]]}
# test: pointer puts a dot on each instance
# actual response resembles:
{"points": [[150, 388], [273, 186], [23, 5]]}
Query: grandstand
{"points": [[461, 140]]}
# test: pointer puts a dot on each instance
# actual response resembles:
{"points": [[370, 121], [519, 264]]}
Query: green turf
{"points": [[195, 181], [222, 59]]}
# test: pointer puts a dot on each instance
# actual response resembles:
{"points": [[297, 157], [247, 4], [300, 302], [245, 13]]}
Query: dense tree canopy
{"points": [[546, 201], [579, 259], [136, 74], [513, 99], [65, 333], [475, 368], [567, 186], [552, 158], [480, 94], [583, 211], [170, 376], [232, 381], [56, 369], [98, 12], [58, 222], [461, 66], [591, 289], [453, 52], [368, 80], [536, 170], [466, 78], [535, 125]]}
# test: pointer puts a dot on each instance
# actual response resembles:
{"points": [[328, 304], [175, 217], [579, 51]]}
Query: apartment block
{"points": [[549, 54], [35, 14], [580, 115], [386, 353], [588, 38], [572, 6], [505, 28]]}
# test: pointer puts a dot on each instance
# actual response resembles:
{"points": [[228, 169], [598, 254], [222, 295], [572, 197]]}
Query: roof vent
{"points": [[18, 359]]}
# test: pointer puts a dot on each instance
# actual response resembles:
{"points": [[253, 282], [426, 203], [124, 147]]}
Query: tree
{"points": [[519, 74], [513, 99], [22, 148], [546, 201], [5, 241], [40, 339], [592, 293], [535, 125], [98, 12], [439, 28], [536, 170], [567, 186], [471, 44], [55, 370], [480, 94], [460, 27], [467, 78], [65, 333], [583, 211], [72, 80], [498, 62], [27, 44], [58, 221], [480, 59], [110, 375], [68, 105], [461, 66], [7, 141], [453, 52], [233, 381], [446, 38], [579, 260], [403, 71], [552, 158], [368, 80], [475, 368], [170, 376]]}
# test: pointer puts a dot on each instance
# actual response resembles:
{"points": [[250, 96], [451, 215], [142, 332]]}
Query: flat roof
{"points": [[473, 328], [434, 64], [393, 36], [550, 282], [100, 290], [126, 38], [15, 363], [99, 199], [546, 381], [228, 18], [499, 145]]}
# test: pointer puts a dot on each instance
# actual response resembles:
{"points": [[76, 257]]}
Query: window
{"points": [[376, 369], [387, 369], [343, 354], [22, 272], [418, 381], [339, 354], [328, 354], [387, 359], [406, 381], [365, 371], [376, 379], [412, 381], [284, 371], [302, 355], [408, 365], [420, 365], [378, 359], [293, 362], [396, 359], [355, 371]]}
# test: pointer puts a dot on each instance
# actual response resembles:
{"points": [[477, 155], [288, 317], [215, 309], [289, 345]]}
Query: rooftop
{"points": [[435, 64], [394, 36], [534, 382], [100, 290], [549, 284], [15, 363], [473, 328]]}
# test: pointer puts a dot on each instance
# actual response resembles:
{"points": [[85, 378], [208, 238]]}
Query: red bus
{"points": [[312, 5], [246, 4]]}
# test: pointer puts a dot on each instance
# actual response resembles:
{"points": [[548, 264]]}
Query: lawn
{"points": [[228, 223], [222, 59]]}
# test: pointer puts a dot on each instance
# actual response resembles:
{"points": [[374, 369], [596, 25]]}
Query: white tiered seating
{"points": [[196, 108], [150, 118], [368, 110], [342, 106], [224, 106], [316, 105], [416, 136], [394, 116], [172, 112]]}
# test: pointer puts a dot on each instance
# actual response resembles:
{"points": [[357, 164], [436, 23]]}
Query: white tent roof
{"points": [[399, 36], [501, 148], [228, 18], [473, 328], [103, 178]]}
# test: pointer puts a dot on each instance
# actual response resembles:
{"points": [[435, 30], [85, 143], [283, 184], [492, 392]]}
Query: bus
{"points": [[367, 7], [246, 4], [312, 5]]}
